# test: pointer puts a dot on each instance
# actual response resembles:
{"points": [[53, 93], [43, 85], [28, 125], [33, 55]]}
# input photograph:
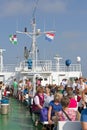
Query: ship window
{"points": [[72, 78], [45, 79]]}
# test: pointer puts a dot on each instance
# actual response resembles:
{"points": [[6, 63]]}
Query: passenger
{"points": [[80, 92], [84, 97], [38, 99], [60, 89], [7, 90], [38, 102], [20, 85], [29, 92], [24, 93], [3, 87], [38, 82], [30, 98], [53, 89], [1, 90], [72, 102], [11, 90], [85, 80], [84, 119], [75, 84], [80, 87], [66, 113], [54, 106], [64, 83], [28, 82], [15, 86], [84, 111], [47, 96], [67, 89]]}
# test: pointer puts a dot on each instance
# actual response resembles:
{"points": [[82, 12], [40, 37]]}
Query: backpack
{"points": [[44, 114]]}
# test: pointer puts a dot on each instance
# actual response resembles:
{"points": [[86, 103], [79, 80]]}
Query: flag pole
{"points": [[34, 35]]}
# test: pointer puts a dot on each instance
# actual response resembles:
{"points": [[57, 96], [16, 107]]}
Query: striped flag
{"points": [[49, 36], [13, 39]]}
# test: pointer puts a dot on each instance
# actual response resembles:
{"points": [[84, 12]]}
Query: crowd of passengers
{"points": [[68, 97], [52, 96]]}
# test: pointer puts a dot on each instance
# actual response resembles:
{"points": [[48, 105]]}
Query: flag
{"points": [[50, 36], [13, 39]]}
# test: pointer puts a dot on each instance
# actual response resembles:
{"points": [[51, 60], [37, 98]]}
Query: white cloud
{"points": [[15, 7], [18, 7]]}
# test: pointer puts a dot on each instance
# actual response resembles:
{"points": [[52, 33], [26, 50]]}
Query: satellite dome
{"points": [[78, 59]]}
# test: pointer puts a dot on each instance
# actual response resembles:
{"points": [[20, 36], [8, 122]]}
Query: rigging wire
{"points": [[35, 8]]}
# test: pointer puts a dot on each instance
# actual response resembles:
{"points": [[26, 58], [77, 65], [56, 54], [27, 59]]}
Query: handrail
{"points": [[42, 65]]}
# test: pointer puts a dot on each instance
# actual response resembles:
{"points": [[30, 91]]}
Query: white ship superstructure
{"points": [[49, 71]]}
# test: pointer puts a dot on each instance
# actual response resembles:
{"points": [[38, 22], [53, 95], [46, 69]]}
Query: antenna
{"points": [[35, 7]]}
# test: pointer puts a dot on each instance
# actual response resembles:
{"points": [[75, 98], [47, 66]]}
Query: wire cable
{"points": [[35, 8]]}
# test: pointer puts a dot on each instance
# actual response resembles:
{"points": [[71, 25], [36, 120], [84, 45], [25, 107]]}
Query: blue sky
{"points": [[67, 17]]}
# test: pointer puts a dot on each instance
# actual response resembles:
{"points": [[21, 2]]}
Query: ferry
{"points": [[48, 71]]}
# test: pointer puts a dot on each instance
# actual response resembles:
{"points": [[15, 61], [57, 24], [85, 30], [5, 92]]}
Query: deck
{"points": [[18, 118]]}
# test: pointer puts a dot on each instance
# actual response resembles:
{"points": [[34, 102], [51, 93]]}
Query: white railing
{"points": [[48, 65], [9, 68], [42, 65]]}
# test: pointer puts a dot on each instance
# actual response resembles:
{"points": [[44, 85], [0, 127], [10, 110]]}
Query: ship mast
{"points": [[34, 35], [34, 44]]}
